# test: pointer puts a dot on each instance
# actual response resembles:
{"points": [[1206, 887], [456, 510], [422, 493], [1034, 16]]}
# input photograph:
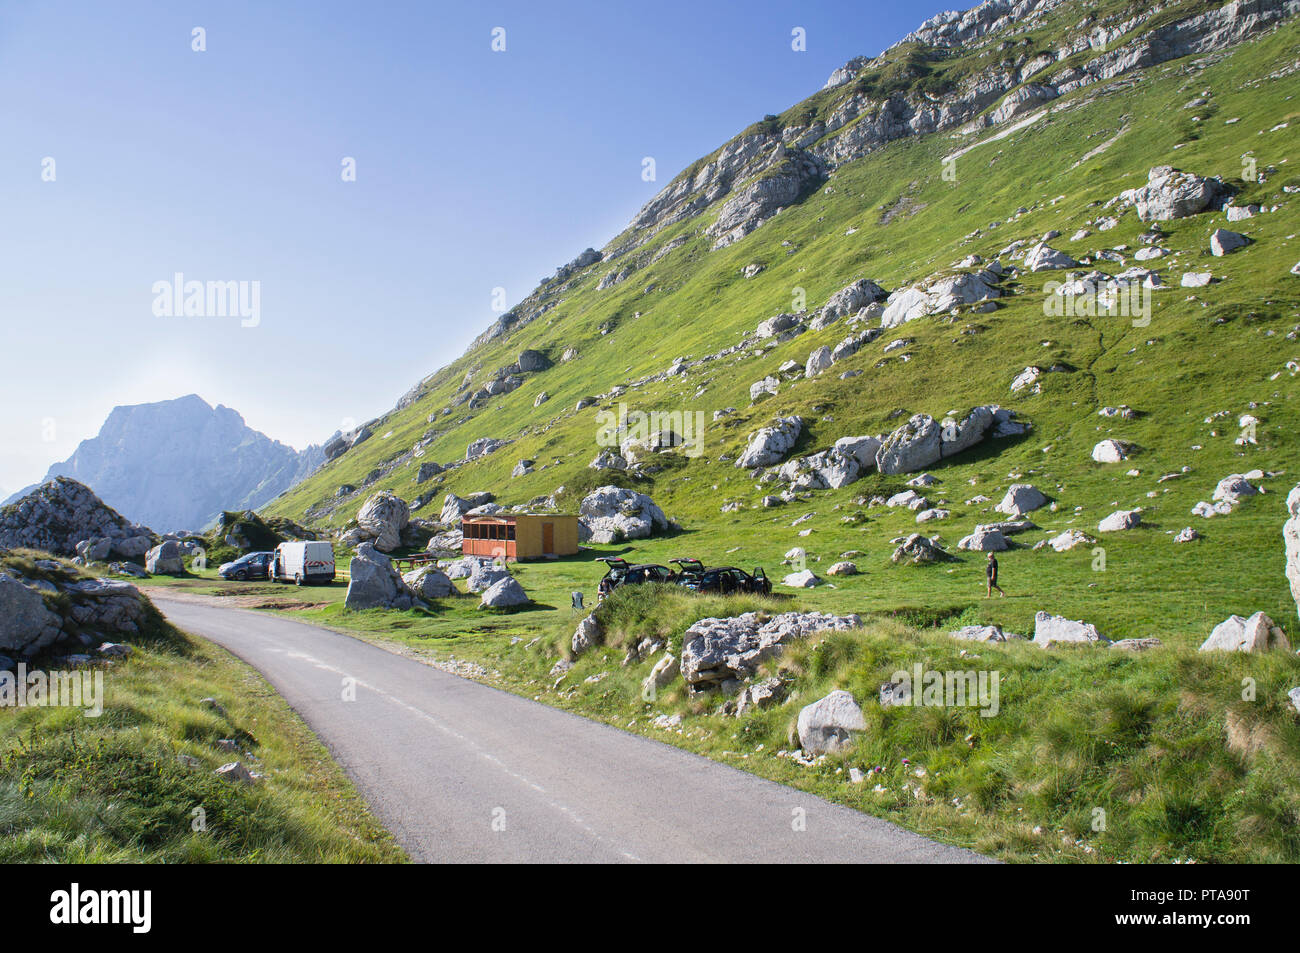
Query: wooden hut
{"points": [[519, 535]]}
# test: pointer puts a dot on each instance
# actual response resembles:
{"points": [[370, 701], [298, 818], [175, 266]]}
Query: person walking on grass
{"points": [[991, 574]]}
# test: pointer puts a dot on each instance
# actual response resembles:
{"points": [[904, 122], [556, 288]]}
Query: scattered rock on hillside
{"points": [[613, 514], [504, 594], [908, 498], [165, 559], [851, 299], [818, 361], [1112, 451], [451, 541], [984, 540], [851, 345], [1195, 279], [427, 471], [769, 445], [1234, 488], [843, 568], [27, 624], [923, 441], [429, 582], [776, 325], [1187, 535], [1120, 520], [830, 469], [235, 773], [720, 651], [57, 515], [768, 385], [1135, 645], [912, 447], [1026, 378], [1021, 498], [1259, 633], [919, 550], [664, 671], [829, 724], [761, 694], [805, 579], [586, 636], [382, 518], [1052, 629], [608, 460], [1043, 257], [1068, 540], [483, 446], [983, 633], [1223, 242], [454, 507], [863, 449], [484, 574], [464, 567], [530, 362]]}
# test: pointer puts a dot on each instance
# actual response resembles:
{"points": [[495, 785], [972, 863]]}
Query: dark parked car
{"points": [[620, 572], [248, 566], [722, 579], [689, 572]]}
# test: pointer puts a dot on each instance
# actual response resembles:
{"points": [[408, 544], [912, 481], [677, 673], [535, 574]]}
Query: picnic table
{"points": [[407, 563]]}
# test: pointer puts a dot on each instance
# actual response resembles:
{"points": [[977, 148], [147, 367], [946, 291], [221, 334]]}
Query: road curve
{"points": [[463, 772]]}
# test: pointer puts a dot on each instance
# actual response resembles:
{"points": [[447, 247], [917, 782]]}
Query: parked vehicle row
{"points": [[301, 563], [690, 574]]}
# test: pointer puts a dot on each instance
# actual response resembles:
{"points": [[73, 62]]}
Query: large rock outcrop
{"points": [[717, 652], [613, 514], [57, 515], [382, 518], [374, 583], [790, 175], [938, 295], [924, 441], [1170, 193], [58, 607], [165, 559]]}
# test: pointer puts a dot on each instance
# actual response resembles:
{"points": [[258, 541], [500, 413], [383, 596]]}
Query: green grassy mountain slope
{"points": [[897, 213]]}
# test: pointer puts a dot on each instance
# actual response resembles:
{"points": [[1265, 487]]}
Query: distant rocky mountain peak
{"points": [[177, 464]]}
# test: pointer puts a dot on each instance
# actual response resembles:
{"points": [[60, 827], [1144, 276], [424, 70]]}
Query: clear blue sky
{"points": [[475, 169]]}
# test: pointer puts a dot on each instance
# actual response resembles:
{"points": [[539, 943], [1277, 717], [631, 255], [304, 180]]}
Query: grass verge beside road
{"points": [[1093, 755], [137, 784]]}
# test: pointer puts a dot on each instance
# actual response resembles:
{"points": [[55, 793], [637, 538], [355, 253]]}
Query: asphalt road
{"points": [[462, 772]]}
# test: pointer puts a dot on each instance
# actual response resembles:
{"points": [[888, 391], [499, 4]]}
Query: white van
{"points": [[303, 562]]}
